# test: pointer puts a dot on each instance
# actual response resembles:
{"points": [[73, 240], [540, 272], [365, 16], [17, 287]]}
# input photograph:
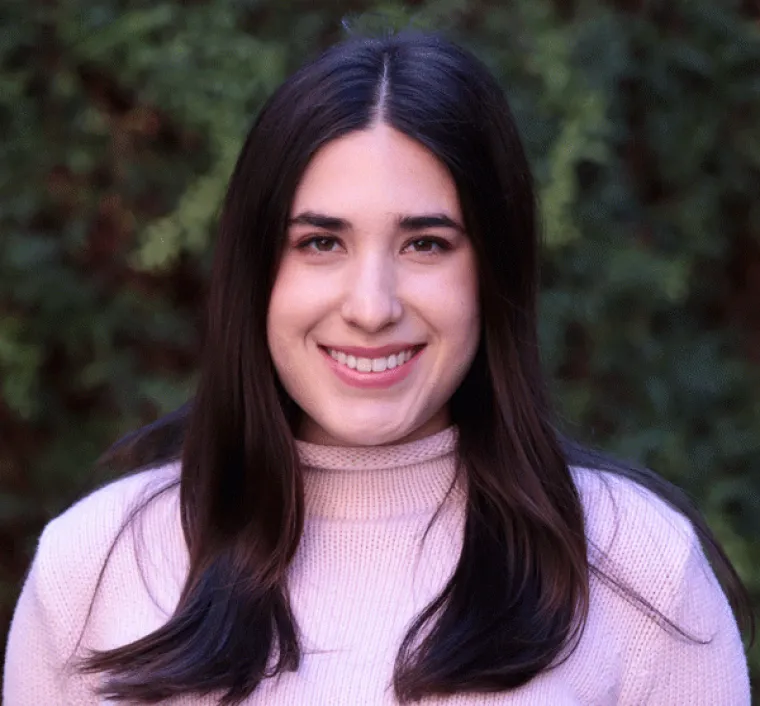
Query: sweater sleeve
{"points": [[59, 593], [36, 658], [713, 671]]}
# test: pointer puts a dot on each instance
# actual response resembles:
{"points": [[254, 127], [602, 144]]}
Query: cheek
{"points": [[291, 304], [299, 302], [284, 318], [460, 305], [283, 329], [452, 301]]}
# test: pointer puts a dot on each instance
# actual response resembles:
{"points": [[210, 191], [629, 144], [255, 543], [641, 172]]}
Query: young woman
{"points": [[367, 501]]}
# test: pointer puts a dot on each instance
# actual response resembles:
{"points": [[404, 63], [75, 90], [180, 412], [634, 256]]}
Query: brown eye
{"points": [[321, 243], [428, 245]]}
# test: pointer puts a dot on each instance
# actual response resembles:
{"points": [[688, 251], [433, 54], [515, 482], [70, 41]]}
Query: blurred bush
{"points": [[121, 120]]}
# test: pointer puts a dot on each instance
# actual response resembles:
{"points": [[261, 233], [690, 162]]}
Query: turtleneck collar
{"points": [[378, 482]]}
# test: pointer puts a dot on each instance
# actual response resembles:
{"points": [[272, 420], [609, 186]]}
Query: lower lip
{"points": [[373, 381]]}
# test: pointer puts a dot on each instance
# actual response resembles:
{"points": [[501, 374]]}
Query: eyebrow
{"points": [[406, 223]]}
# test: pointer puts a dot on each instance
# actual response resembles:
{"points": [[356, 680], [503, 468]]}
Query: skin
{"points": [[361, 277]]}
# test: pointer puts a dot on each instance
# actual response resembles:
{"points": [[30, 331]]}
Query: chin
{"points": [[380, 439], [366, 433], [373, 437]]}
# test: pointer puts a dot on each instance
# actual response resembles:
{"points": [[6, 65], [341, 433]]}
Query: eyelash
{"points": [[308, 243], [440, 243]]}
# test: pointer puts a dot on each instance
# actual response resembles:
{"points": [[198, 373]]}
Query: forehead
{"points": [[376, 170]]}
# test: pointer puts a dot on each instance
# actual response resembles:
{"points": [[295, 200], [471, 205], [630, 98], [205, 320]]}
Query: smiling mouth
{"points": [[373, 365]]}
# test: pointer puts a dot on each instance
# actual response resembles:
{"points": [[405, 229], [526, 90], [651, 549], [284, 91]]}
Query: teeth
{"points": [[373, 365], [379, 364]]}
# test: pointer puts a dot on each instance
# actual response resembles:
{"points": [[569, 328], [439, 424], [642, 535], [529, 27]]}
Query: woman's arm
{"points": [[692, 674], [33, 660], [42, 637], [60, 589]]}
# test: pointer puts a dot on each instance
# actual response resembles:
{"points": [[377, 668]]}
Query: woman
{"points": [[367, 501]]}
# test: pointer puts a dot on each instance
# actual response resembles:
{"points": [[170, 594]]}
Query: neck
{"points": [[379, 482]]}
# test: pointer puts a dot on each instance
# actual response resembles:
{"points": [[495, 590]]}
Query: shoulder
{"points": [[58, 596], [90, 526], [639, 543], [635, 535], [608, 499], [74, 547]]}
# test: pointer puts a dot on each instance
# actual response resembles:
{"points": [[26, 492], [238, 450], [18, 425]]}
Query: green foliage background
{"points": [[121, 120]]}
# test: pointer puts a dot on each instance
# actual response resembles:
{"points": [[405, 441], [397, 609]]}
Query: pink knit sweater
{"points": [[362, 572]]}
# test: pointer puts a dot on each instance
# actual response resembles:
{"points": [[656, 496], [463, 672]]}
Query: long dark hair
{"points": [[520, 591]]}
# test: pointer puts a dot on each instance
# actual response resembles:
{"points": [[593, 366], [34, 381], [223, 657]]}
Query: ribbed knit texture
{"points": [[370, 560]]}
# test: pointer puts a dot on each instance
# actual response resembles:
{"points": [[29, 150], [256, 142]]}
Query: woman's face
{"points": [[374, 319]]}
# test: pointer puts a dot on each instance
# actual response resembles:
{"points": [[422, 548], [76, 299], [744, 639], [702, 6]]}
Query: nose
{"points": [[371, 301]]}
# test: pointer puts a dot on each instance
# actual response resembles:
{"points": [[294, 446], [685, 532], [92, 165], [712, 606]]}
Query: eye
{"points": [[428, 245], [319, 243]]}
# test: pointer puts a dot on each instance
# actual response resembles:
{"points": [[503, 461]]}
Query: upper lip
{"points": [[379, 352]]}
